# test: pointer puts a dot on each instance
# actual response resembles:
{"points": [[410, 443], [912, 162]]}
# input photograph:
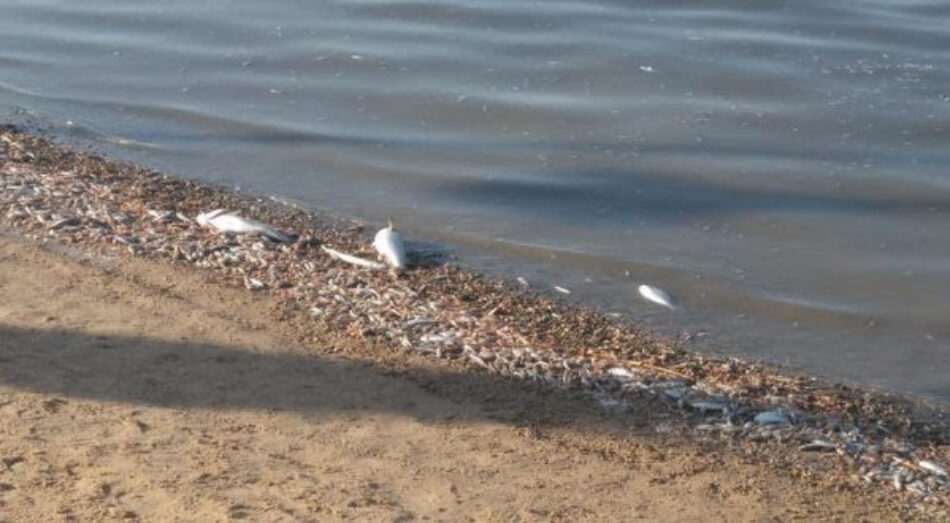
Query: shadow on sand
{"points": [[187, 375]]}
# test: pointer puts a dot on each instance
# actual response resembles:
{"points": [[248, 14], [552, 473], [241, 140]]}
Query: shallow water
{"points": [[779, 167]]}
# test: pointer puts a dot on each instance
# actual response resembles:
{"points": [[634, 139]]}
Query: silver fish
{"points": [[771, 417], [930, 466], [349, 258], [621, 372], [656, 295], [388, 243], [223, 221], [818, 445]]}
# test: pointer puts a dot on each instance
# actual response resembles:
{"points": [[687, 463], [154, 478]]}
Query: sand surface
{"points": [[133, 389]]}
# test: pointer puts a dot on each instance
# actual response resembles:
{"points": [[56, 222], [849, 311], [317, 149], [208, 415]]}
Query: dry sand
{"points": [[134, 389]]}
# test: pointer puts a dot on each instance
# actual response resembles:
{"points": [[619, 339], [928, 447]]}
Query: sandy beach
{"points": [[154, 388], [132, 390]]}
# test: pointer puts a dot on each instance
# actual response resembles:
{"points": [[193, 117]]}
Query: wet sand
{"points": [[144, 381]]}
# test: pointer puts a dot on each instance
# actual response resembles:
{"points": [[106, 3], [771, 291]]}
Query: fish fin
{"points": [[391, 225]]}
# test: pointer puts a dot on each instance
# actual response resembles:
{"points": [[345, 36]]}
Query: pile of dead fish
{"points": [[346, 291]]}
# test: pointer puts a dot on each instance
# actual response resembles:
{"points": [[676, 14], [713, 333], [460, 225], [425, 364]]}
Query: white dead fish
{"points": [[254, 284], [930, 466], [349, 258], [620, 372], [898, 480], [162, 216], [562, 290], [656, 295], [228, 222], [389, 244]]}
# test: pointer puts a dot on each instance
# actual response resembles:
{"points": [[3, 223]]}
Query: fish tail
{"points": [[277, 236]]}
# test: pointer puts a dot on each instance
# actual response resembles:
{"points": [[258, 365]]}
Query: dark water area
{"points": [[779, 167]]}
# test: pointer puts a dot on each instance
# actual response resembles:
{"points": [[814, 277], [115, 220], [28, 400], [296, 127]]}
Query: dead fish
{"points": [[620, 372], [349, 258], [254, 284], [818, 445], [562, 290], [771, 417], [717, 427], [898, 481], [228, 222], [419, 322], [709, 406], [656, 295], [388, 243], [63, 222], [930, 466], [162, 216]]}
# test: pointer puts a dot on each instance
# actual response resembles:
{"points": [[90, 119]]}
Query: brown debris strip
{"points": [[105, 207]]}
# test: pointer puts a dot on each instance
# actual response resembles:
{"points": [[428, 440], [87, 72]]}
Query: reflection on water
{"points": [[780, 167]]}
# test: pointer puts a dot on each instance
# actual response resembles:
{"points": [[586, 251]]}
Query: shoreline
{"points": [[140, 390], [464, 322]]}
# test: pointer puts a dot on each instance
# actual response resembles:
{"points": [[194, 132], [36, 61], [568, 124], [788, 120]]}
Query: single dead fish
{"points": [[227, 222], [771, 417], [254, 284], [162, 216], [562, 290], [419, 322], [709, 405], [930, 466], [898, 481], [349, 258], [656, 295], [620, 372], [388, 243], [63, 222], [818, 445]]}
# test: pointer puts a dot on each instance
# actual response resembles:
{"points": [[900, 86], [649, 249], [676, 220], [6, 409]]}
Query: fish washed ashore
{"points": [[105, 207]]}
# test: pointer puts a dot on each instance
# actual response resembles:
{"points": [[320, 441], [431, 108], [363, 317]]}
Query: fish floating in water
{"points": [[388, 243], [224, 221], [656, 295]]}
